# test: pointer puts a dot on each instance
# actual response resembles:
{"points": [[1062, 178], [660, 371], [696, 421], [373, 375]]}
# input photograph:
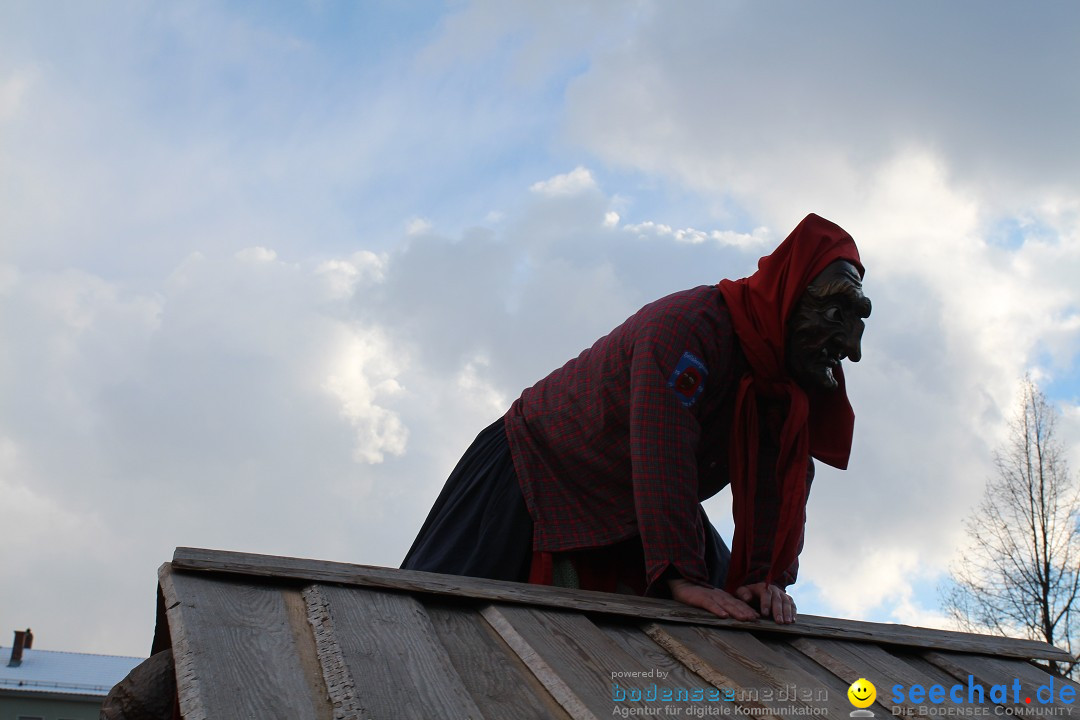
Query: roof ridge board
{"points": [[283, 568]]}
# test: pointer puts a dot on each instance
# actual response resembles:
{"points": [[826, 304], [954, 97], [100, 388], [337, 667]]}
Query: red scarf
{"points": [[818, 425]]}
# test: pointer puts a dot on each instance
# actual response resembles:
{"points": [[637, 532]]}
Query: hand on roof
{"points": [[772, 600], [714, 600]]}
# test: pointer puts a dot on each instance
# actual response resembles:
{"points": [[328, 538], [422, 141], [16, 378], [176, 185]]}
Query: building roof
{"points": [[53, 672], [264, 636]]}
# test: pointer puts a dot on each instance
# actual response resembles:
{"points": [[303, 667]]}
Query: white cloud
{"points": [[907, 610], [869, 574], [342, 277], [576, 181], [678, 98], [363, 373], [481, 392], [256, 255], [418, 226], [747, 241]]}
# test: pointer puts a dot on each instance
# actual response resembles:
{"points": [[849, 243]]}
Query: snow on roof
{"points": [[69, 673]]}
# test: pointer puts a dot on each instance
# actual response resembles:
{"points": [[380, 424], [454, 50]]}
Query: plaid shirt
{"points": [[629, 437]]}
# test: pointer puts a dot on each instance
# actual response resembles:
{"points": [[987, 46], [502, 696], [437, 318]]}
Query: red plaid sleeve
{"points": [[766, 513], [664, 435]]}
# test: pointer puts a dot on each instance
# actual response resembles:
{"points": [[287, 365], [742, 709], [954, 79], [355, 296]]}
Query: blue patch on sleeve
{"points": [[688, 380]]}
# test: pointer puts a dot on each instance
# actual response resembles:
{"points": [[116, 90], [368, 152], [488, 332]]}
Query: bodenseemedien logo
{"points": [[862, 694]]}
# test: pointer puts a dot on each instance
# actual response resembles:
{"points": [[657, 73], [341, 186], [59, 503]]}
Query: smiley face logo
{"points": [[862, 693]]}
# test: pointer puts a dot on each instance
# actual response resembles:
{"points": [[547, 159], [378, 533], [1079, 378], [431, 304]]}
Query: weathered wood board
{"points": [[235, 653], [388, 641], [300, 570], [263, 637], [501, 684]]}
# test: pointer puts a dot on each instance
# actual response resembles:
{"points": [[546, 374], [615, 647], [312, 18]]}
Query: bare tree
{"points": [[1022, 573]]}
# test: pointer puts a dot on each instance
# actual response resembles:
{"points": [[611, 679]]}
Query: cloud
{"points": [[781, 101], [364, 371], [347, 386], [417, 226], [757, 239], [343, 276], [256, 255], [236, 299], [576, 181]]}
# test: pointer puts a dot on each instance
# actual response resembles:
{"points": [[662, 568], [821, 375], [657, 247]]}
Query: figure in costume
{"points": [[595, 475]]}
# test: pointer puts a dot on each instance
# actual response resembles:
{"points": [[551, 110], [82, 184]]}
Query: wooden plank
{"points": [[545, 674], [779, 670], [500, 684], [389, 645], [832, 680], [1022, 680], [919, 663], [235, 651], [307, 653], [189, 688], [828, 680], [764, 681], [851, 661], [284, 569], [338, 682], [714, 674], [836, 665], [588, 673], [634, 640]]}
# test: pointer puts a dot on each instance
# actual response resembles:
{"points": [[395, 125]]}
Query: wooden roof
{"points": [[273, 637]]}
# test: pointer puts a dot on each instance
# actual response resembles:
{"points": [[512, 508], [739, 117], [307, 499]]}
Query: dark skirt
{"points": [[481, 527]]}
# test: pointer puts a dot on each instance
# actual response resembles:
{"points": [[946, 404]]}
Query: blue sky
{"points": [[266, 269]]}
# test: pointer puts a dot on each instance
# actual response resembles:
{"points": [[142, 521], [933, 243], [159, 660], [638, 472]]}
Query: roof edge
{"points": [[299, 569]]}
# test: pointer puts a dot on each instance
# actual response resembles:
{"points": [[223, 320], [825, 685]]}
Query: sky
{"points": [[267, 268]]}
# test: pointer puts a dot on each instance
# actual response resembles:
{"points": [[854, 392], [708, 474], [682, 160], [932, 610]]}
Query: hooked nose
{"points": [[851, 342]]}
